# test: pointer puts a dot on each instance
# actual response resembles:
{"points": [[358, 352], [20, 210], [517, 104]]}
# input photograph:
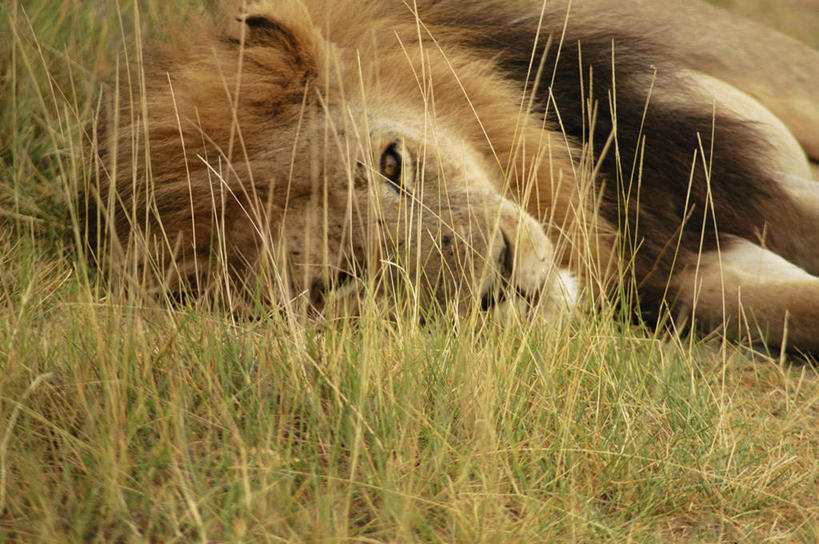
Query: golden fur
{"points": [[314, 146]]}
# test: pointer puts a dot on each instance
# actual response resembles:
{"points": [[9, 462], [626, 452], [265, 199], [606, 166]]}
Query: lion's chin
{"points": [[555, 302]]}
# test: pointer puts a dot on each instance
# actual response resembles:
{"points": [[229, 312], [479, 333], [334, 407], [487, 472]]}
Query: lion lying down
{"points": [[490, 154]]}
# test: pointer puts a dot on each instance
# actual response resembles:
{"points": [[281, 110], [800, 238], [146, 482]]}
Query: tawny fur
{"points": [[267, 135]]}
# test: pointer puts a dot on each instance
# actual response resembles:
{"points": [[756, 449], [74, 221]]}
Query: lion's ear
{"points": [[284, 42], [262, 30]]}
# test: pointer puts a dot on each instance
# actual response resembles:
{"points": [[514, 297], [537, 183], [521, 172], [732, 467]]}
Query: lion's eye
{"points": [[391, 165]]}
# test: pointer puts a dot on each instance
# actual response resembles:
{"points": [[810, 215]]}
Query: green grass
{"points": [[122, 420]]}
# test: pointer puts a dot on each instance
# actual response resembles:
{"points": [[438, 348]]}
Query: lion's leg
{"points": [[797, 238], [793, 234], [757, 294], [778, 71]]}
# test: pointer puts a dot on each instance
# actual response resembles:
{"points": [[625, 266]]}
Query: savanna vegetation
{"points": [[127, 419]]}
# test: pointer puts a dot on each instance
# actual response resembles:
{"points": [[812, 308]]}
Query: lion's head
{"points": [[313, 159]]}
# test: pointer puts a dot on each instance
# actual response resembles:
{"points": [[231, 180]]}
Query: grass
{"points": [[125, 421]]}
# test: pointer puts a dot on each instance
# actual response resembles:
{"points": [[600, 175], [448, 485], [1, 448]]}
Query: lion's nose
{"points": [[505, 258], [494, 291]]}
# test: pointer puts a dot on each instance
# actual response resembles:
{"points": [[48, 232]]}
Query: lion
{"points": [[483, 154]]}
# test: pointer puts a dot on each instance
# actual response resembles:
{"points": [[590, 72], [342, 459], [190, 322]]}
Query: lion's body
{"points": [[322, 142]]}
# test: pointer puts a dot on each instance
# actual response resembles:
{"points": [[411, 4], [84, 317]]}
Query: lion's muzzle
{"points": [[479, 251]]}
